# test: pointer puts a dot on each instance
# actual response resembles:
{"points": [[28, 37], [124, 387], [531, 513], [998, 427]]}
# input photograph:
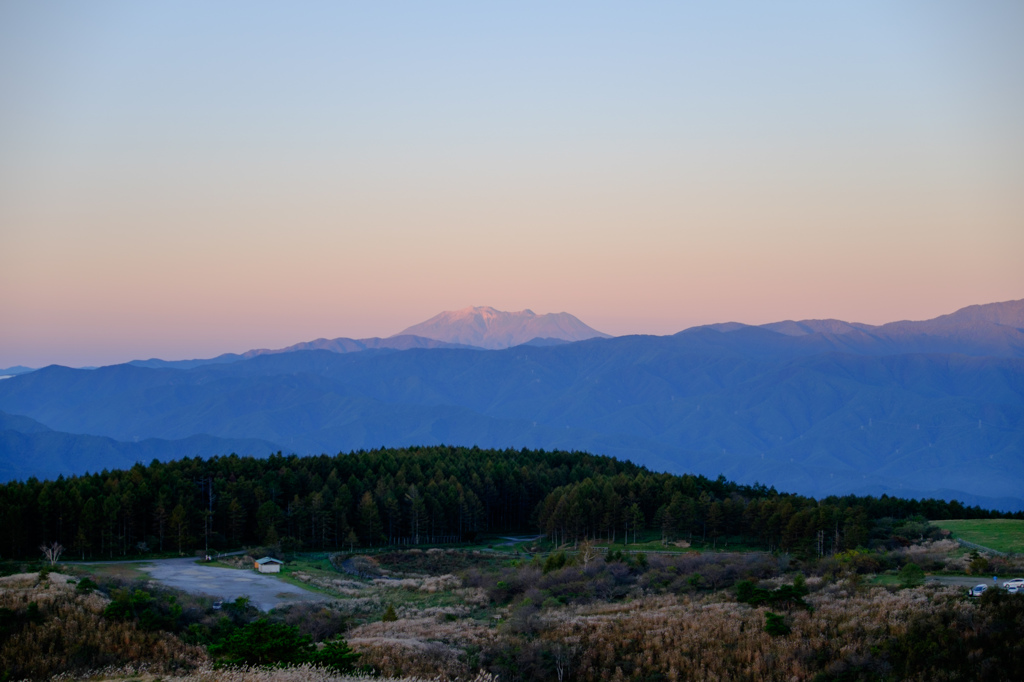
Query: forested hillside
{"points": [[420, 495]]}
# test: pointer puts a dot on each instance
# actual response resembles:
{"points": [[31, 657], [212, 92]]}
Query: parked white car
{"points": [[977, 590]]}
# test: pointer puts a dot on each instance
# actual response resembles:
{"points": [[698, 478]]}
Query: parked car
{"points": [[1014, 586], [977, 590]]}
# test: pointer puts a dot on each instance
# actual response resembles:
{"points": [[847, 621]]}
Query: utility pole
{"points": [[206, 485]]}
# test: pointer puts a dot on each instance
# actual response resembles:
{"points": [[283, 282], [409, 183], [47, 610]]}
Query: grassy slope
{"points": [[1003, 535], [130, 571]]}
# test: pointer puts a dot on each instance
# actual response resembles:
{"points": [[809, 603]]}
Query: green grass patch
{"points": [[1002, 535], [308, 565], [398, 596], [651, 542], [284, 577], [131, 571]]}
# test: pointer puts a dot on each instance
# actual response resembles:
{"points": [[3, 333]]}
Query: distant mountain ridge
{"points": [[991, 329], [339, 345], [469, 328], [818, 407], [978, 330], [13, 371], [486, 327], [28, 448]]}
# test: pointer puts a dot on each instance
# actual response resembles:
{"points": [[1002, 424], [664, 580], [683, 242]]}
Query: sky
{"points": [[184, 179]]}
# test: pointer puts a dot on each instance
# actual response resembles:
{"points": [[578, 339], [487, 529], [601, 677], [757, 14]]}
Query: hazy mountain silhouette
{"points": [[821, 412], [486, 327], [28, 448], [17, 369], [992, 329], [339, 345]]}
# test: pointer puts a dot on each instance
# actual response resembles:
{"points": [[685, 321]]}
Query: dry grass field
{"points": [[64, 630], [452, 615]]}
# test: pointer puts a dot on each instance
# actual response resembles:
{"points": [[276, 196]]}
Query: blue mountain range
{"points": [[820, 407]]}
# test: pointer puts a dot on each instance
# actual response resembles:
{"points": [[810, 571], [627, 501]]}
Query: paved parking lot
{"points": [[265, 591]]}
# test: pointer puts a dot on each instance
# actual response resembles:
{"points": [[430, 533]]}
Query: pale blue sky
{"points": [[185, 179]]}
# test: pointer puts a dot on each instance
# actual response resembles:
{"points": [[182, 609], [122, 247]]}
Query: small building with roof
{"points": [[268, 565]]}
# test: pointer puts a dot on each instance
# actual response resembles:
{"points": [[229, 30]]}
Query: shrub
{"points": [[554, 562], [336, 655], [265, 643], [316, 620], [86, 585], [911, 575], [140, 606], [800, 584], [979, 565], [775, 625], [785, 595]]}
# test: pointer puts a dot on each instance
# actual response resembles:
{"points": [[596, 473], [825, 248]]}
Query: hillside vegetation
{"points": [[426, 496], [582, 614], [610, 569], [48, 625]]}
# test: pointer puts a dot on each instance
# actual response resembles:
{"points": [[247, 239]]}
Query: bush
{"points": [[86, 585], [775, 625], [979, 565], [785, 596], [337, 655], [911, 575], [554, 562], [265, 643], [138, 605], [316, 620]]}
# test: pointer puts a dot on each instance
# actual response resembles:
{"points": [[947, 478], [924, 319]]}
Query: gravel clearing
{"points": [[265, 591]]}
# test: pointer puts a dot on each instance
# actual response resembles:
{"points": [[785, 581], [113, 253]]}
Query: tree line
{"points": [[418, 495]]}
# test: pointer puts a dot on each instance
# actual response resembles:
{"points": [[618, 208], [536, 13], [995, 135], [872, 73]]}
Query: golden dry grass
{"points": [[72, 633], [705, 638], [301, 673], [714, 638]]}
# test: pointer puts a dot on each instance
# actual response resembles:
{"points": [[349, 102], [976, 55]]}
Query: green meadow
{"points": [[1003, 535]]}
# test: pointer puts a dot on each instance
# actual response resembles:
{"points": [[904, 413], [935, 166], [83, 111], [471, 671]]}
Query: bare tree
{"points": [[564, 655], [51, 552], [588, 552]]}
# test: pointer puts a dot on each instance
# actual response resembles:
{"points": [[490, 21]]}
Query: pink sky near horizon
{"points": [[180, 181]]}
